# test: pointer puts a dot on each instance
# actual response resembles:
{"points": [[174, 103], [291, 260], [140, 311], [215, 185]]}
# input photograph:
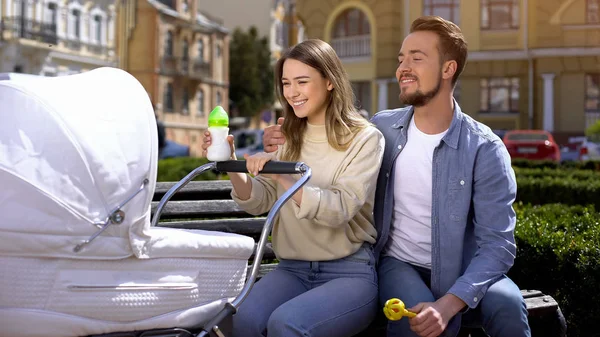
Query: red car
{"points": [[532, 144]]}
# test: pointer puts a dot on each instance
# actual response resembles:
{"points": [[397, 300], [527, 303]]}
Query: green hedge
{"points": [[586, 165], [546, 185], [547, 190], [558, 254], [175, 169], [556, 173]]}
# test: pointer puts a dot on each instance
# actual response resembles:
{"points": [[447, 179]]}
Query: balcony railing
{"points": [[353, 46], [175, 66], [168, 65], [97, 48], [74, 44], [201, 68], [29, 29], [184, 65], [180, 66]]}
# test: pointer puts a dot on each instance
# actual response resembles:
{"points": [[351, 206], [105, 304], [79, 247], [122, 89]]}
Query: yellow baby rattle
{"points": [[394, 310]]}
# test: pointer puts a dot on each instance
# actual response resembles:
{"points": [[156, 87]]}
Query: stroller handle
{"points": [[279, 167], [272, 167]]}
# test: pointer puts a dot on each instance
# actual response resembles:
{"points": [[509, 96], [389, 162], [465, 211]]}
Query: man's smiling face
{"points": [[419, 72]]}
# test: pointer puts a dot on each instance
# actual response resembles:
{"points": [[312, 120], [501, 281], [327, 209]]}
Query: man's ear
{"points": [[449, 69]]}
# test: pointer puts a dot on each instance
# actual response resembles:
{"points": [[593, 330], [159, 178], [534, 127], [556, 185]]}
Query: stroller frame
{"points": [[229, 309]]}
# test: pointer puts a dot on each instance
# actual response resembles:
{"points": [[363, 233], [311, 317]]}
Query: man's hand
{"points": [[432, 318], [256, 162], [273, 137]]}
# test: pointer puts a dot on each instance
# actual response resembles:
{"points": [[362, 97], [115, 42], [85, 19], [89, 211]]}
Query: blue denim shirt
{"points": [[472, 218]]}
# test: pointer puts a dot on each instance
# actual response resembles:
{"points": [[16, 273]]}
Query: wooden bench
{"points": [[207, 205]]}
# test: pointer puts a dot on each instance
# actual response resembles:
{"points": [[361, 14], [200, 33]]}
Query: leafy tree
{"points": [[250, 72], [593, 132]]}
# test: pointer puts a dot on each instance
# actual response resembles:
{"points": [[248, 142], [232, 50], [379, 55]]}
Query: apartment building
{"points": [[56, 37], [180, 54], [532, 63]]}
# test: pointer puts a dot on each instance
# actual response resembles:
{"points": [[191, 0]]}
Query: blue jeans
{"points": [[302, 298], [501, 313]]}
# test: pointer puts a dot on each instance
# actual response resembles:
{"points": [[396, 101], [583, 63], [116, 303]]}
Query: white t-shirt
{"points": [[410, 236]]}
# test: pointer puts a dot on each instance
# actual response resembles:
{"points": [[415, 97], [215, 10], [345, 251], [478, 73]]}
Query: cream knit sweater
{"points": [[335, 216]]}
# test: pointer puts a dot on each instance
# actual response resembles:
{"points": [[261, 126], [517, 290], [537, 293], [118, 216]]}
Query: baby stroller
{"points": [[80, 254]]}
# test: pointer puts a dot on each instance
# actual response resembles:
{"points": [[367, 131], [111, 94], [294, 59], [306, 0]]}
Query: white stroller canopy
{"points": [[72, 149]]}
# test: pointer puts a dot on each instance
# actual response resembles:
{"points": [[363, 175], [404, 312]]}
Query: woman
{"points": [[325, 283]]}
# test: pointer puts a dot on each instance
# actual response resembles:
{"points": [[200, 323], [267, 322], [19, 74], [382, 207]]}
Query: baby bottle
{"points": [[218, 126]]}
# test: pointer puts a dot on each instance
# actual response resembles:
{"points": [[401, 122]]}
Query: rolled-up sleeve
{"points": [[262, 196]]}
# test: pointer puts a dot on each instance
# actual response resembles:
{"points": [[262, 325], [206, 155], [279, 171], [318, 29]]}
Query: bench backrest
{"points": [[207, 205]]}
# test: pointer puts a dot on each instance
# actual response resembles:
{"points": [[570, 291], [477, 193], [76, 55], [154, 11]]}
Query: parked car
{"points": [[173, 150], [247, 141], [532, 144], [589, 149], [570, 152]]}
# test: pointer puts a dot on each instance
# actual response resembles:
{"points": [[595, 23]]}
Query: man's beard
{"points": [[419, 98]]}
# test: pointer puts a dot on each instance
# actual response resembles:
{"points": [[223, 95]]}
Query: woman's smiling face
{"points": [[306, 90]]}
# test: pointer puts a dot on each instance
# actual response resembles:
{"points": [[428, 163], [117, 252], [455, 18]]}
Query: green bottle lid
{"points": [[218, 117]]}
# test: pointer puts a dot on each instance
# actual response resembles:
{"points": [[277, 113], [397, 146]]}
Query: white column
{"points": [[62, 20], [382, 96], [548, 101], [38, 11]]}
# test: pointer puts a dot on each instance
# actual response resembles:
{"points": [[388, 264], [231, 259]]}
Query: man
{"points": [[443, 207]]}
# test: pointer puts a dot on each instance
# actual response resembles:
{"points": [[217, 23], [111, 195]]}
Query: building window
{"points": [[200, 98], [592, 99], [168, 98], [185, 57], [352, 34], [352, 22], [499, 14], [98, 28], [500, 95], [447, 9], [169, 44], [76, 23], [219, 50], [219, 98], [185, 50], [201, 50], [185, 6], [52, 13], [185, 101], [593, 11]]}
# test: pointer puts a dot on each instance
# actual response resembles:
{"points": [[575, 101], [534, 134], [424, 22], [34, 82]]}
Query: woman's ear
{"points": [[329, 85]]}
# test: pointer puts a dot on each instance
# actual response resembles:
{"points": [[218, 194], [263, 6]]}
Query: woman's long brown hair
{"points": [[342, 120]]}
